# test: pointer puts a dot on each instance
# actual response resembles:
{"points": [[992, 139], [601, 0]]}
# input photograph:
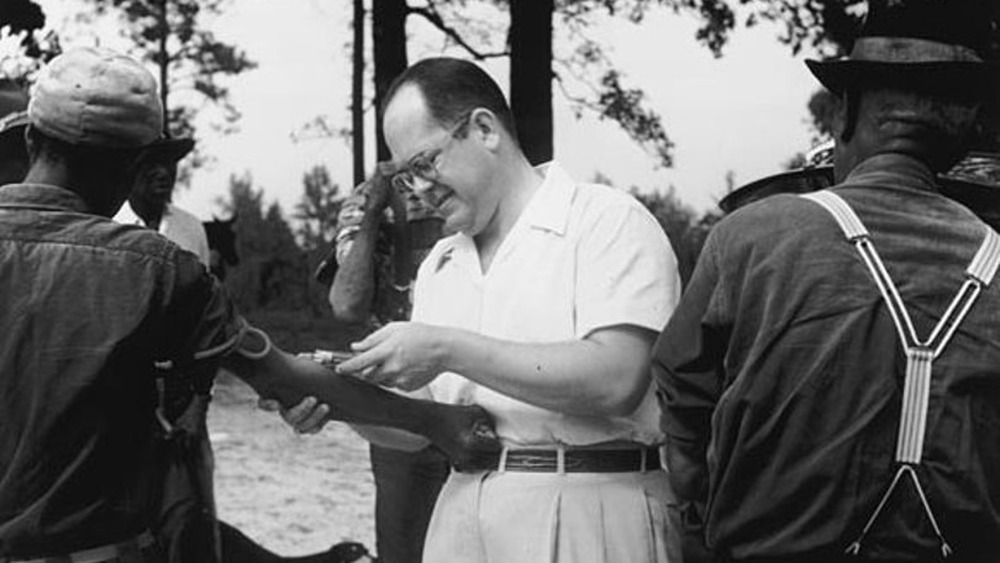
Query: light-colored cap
{"points": [[92, 96]]}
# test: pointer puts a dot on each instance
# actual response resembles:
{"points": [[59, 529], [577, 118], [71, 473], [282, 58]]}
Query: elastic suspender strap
{"points": [[919, 354], [913, 419], [857, 234], [979, 274], [984, 265], [849, 223]]}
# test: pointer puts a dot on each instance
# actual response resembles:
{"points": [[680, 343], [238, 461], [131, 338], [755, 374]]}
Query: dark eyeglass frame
{"points": [[424, 163]]}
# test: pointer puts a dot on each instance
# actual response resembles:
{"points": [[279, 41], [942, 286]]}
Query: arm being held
{"points": [[272, 373]]}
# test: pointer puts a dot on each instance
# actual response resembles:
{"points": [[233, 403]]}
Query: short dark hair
{"points": [[451, 88], [943, 117], [97, 170], [81, 157]]}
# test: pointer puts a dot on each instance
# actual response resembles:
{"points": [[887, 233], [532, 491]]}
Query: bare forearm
{"points": [[353, 287], [289, 380], [590, 377]]}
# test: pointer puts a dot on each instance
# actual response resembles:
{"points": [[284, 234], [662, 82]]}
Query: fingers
{"points": [[364, 363], [375, 338], [307, 417], [315, 421]]}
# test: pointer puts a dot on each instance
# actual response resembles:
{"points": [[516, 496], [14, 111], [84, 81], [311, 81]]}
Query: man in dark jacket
{"points": [[830, 378]]}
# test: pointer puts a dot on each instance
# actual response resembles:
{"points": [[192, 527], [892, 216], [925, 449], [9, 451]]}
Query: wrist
{"points": [[447, 349], [371, 220]]}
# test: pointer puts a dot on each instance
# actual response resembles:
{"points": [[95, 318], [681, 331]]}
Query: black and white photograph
{"points": [[499, 281]]}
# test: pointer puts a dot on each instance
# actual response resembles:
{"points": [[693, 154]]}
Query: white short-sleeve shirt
{"points": [[579, 258]]}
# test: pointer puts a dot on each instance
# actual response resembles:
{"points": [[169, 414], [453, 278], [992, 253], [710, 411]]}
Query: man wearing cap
{"points": [[95, 311], [831, 378]]}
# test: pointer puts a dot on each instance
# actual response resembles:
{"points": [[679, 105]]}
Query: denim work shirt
{"points": [[781, 376], [89, 306]]}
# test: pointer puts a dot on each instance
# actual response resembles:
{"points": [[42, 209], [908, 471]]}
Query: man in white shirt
{"points": [[542, 307], [150, 205]]}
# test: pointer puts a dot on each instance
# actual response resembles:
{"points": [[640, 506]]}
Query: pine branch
{"points": [[431, 14]]}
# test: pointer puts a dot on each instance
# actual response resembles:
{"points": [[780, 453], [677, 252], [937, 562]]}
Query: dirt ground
{"points": [[293, 494]]}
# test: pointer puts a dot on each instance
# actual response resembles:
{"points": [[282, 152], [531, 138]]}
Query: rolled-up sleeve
{"points": [[200, 322]]}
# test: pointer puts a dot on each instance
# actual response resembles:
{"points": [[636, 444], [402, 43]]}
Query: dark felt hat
{"points": [[946, 41]]}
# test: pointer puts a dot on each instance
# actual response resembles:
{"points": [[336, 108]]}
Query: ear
{"points": [[485, 126], [846, 115]]}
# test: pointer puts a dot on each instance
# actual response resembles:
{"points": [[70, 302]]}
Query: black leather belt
{"points": [[574, 461]]}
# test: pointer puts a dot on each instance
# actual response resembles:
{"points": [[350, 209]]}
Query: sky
{"points": [[745, 112]]}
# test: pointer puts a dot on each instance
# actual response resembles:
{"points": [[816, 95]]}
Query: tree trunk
{"points": [[164, 64], [389, 36], [358, 93], [531, 76]]}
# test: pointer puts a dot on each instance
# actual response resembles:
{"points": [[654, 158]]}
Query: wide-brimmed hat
{"points": [[91, 96], [945, 41]]}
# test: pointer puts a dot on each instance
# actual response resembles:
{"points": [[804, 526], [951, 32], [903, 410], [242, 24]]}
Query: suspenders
{"points": [[920, 354]]}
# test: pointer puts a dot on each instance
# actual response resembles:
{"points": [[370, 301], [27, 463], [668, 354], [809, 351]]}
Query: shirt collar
{"points": [[894, 169], [41, 196], [549, 208]]}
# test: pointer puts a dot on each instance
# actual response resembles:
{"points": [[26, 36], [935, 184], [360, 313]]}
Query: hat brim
{"points": [[13, 123], [840, 75], [981, 197], [171, 149], [795, 182]]}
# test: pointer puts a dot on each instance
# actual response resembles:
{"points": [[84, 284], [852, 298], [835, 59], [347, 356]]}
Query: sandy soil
{"points": [[293, 494]]}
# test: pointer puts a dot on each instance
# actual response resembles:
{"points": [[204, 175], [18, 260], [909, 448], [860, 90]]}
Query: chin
{"points": [[456, 223]]}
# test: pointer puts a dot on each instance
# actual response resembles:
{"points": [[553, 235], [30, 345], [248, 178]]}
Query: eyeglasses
{"points": [[423, 165]]}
